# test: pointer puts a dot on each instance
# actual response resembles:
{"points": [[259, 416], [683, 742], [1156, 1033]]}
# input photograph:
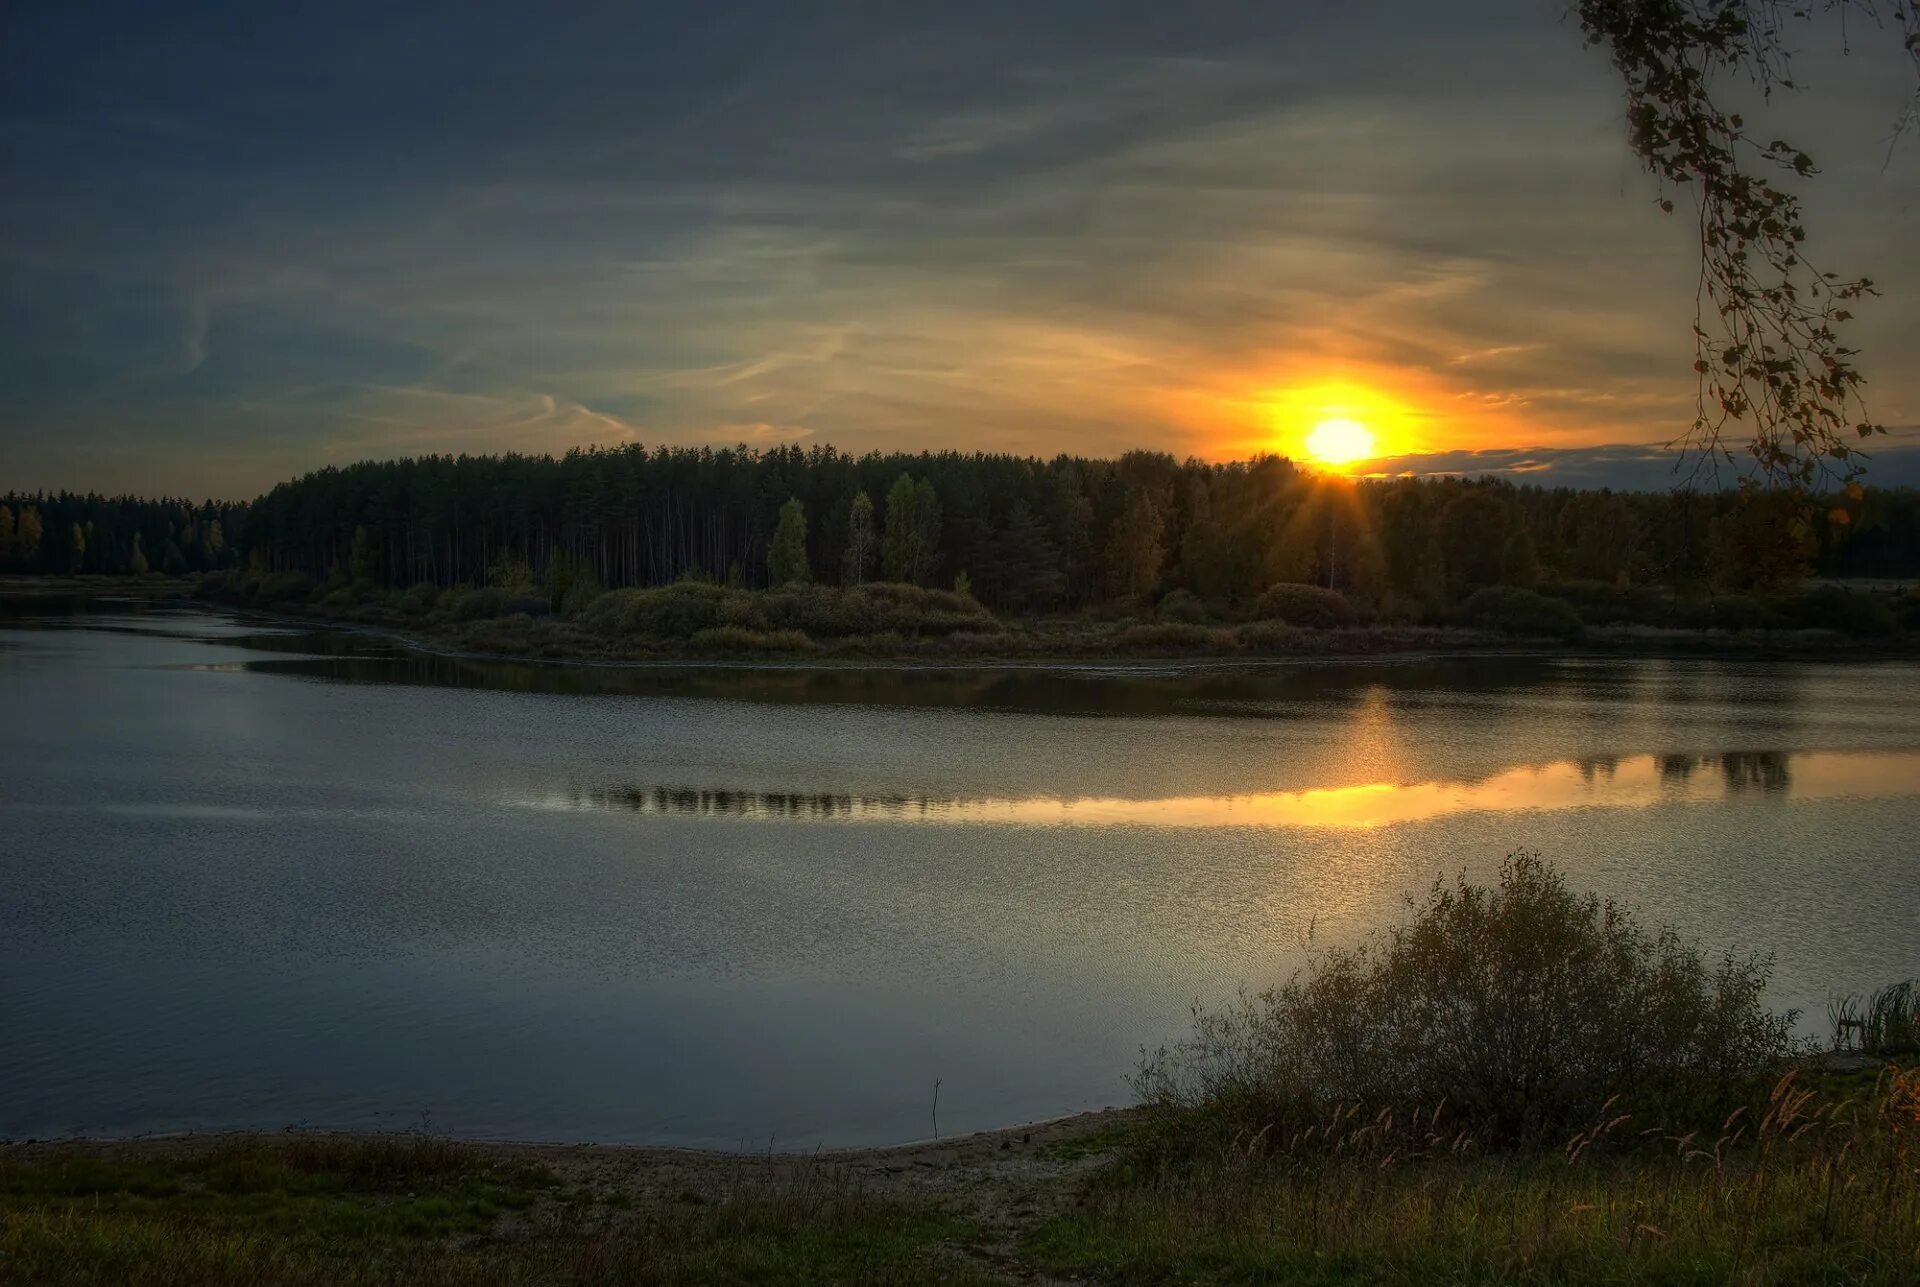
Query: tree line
{"points": [[1022, 534], [75, 534]]}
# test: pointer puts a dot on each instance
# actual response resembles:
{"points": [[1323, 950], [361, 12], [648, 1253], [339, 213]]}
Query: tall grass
{"points": [[1885, 1023], [1809, 1188]]}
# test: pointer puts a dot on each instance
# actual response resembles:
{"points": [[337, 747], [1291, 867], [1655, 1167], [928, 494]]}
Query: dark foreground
{"points": [[1824, 1188]]}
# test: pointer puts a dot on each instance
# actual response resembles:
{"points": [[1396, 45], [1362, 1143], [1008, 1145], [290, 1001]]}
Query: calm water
{"points": [[254, 877]]}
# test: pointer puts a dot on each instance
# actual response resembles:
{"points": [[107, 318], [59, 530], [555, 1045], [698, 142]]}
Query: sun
{"points": [[1339, 441]]}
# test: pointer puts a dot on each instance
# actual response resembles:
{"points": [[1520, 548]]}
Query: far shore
{"points": [[1068, 644]]}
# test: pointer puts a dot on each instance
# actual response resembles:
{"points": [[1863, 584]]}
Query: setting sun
{"points": [[1339, 441]]}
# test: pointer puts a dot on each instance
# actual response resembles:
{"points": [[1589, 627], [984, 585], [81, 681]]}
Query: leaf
{"points": [[1839, 517]]}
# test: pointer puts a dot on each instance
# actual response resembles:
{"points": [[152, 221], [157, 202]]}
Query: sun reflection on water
{"points": [[1633, 782]]}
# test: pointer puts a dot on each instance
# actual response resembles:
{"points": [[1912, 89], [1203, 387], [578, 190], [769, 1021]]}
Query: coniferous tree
{"points": [[926, 533]]}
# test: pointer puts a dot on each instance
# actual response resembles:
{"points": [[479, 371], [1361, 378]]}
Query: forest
{"points": [[1020, 534]]}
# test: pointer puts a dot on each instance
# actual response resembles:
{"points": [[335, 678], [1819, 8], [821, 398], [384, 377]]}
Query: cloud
{"points": [[1074, 227]]}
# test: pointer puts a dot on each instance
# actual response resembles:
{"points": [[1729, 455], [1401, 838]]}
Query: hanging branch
{"points": [[1771, 363]]}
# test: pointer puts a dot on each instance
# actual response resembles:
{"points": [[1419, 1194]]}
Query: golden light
{"points": [[1339, 441]]}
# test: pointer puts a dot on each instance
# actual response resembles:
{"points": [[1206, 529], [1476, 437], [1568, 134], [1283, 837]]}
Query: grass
{"points": [[415, 1210], [1821, 1190], [1885, 1023]]}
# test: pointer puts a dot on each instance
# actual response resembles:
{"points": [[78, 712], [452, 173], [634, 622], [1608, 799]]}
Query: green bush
{"points": [[580, 593], [285, 587], [1170, 637], [1526, 1010], [1513, 611], [879, 607], [1269, 636], [1600, 603], [1183, 606], [1303, 605], [419, 599], [1905, 607], [736, 641], [476, 605], [1730, 612], [1832, 608]]}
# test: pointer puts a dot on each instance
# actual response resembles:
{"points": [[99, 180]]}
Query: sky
{"points": [[239, 241]]}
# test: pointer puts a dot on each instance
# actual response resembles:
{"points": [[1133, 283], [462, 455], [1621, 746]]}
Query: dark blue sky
{"points": [[241, 240]]}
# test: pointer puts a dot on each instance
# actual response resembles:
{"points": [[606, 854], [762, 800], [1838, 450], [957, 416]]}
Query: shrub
{"points": [[476, 605], [526, 604], [1169, 636], [879, 607], [283, 587], [1527, 1010], [734, 640], [1601, 603], [580, 594], [1183, 606], [1269, 636], [1730, 612], [1303, 605], [419, 599], [1513, 611], [1832, 608]]}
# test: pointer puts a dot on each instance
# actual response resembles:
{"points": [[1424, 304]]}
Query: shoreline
{"points": [[1066, 1128], [1363, 645]]}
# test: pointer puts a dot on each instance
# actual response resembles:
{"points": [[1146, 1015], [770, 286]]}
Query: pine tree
{"points": [[362, 563], [1030, 575], [926, 533], [787, 555]]}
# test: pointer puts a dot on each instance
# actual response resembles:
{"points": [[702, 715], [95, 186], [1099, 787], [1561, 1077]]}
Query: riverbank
{"points": [[605, 638], [1078, 1200]]}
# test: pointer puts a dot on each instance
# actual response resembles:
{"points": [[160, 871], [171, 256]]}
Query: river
{"points": [[255, 876]]}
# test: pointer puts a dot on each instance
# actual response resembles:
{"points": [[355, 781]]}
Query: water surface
{"points": [[259, 877]]}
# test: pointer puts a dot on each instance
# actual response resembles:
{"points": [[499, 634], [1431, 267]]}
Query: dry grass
{"points": [[1811, 1188]]}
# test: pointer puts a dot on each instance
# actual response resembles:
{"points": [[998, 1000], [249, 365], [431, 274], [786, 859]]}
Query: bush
{"points": [[580, 594], [1183, 606], [736, 641], [1730, 612], [1303, 605], [419, 599], [285, 587], [475, 605], [1526, 1010], [1832, 608], [1601, 603], [1169, 636], [1269, 636], [1513, 611]]}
